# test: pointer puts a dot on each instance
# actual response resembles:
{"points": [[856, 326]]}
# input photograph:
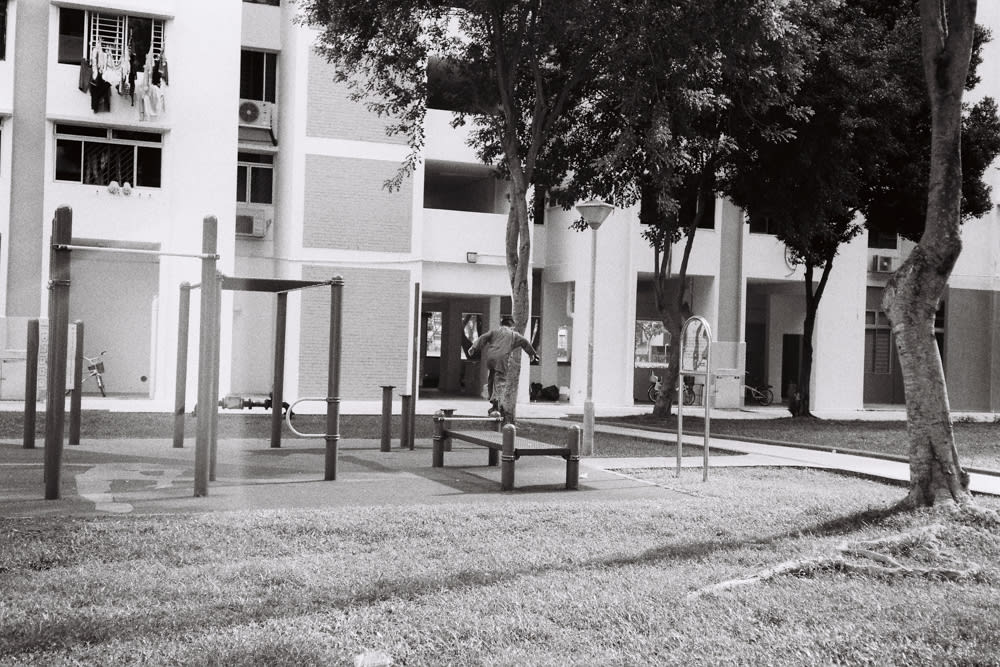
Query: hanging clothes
{"points": [[85, 76], [163, 67], [100, 94], [98, 59]]}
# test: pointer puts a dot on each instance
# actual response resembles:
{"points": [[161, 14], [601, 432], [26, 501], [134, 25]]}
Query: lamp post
{"points": [[594, 213]]}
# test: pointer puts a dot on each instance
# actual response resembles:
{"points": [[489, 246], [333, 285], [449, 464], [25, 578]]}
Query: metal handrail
{"points": [[288, 417]]}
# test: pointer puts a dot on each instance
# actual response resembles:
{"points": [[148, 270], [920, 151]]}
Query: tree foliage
{"points": [[522, 66]]}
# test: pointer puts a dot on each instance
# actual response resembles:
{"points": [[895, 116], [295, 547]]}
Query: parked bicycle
{"points": [[95, 369], [656, 386], [762, 394]]}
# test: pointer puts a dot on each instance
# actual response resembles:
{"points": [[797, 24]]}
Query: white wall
{"points": [[839, 339]]}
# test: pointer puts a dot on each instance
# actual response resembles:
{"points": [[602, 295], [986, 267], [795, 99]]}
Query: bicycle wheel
{"points": [[651, 393], [100, 384], [768, 397]]}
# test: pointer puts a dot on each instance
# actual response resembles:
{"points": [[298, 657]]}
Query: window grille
{"points": [[113, 32]]}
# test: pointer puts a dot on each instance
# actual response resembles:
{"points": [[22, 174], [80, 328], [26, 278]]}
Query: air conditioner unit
{"points": [[251, 223], [883, 264], [254, 113]]}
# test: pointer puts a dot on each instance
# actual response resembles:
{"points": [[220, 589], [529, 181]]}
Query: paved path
{"points": [[755, 454], [149, 476]]}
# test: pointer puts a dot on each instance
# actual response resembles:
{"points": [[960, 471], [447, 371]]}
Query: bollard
{"points": [[437, 457], [31, 385], [507, 458], [573, 460], [387, 417], [405, 437]]}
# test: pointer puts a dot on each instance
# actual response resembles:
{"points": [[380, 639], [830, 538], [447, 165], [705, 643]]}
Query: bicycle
{"points": [[763, 394], [95, 367], [655, 387]]}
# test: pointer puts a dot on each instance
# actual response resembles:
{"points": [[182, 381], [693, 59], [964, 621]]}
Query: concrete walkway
{"points": [[755, 454]]}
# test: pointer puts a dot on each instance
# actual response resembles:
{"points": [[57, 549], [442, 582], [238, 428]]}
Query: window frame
{"points": [[107, 136], [268, 76], [262, 161], [97, 23], [3, 29]]}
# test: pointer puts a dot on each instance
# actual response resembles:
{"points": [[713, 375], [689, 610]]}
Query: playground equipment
{"points": [[212, 283]]}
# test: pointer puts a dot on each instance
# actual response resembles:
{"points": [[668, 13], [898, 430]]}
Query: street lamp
{"points": [[594, 213]]}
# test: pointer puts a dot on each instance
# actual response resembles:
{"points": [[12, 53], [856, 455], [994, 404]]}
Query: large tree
{"points": [[912, 295], [660, 123], [526, 65], [807, 186]]}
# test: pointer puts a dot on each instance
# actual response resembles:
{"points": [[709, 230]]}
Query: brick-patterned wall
{"points": [[375, 338], [347, 207], [332, 115]]}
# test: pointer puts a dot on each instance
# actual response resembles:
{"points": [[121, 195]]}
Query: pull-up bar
{"points": [[58, 312], [135, 251]]}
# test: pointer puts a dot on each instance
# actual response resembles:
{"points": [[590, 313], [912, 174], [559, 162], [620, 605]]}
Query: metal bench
{"points": [[504, 446]]}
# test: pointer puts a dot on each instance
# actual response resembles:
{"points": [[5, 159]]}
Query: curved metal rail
{"points": [[288, 417]]}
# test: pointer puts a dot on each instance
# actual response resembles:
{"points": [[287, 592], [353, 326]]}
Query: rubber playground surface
{"points": [[150, 476]]}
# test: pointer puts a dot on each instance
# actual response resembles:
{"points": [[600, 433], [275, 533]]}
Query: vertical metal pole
{"points": [[708, 404], [31, 385], [77, 397], [216, 349], [180, 377], [507, 458], [588, 403], [573, 459], [410, 416], [680, 405], [333, 381], [278, 379], [387, 418], [55, 401], [209, 241], [405, 438], [437, 452]]}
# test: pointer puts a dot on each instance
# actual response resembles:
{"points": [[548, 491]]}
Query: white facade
{"points": [[324, 212]]}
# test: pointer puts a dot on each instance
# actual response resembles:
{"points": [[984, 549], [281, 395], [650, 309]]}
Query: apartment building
{"points": [[224, 109]]}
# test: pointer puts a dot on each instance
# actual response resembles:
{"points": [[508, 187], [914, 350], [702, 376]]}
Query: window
{"points": [[258, 75], [71, 36], [878, 343], [883, 240], [3, 29], [118, 34], [98, 156], [254, 178], [762, 224]]}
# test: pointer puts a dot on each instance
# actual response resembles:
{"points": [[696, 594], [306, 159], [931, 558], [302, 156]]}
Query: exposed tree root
{"points": [[926, 554]]}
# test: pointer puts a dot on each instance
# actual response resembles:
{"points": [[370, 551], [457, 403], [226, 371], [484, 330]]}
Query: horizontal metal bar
{"points": [[466, 419], [135, 251]]}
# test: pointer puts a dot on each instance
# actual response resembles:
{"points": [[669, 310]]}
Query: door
{"points": [[791, 360]]}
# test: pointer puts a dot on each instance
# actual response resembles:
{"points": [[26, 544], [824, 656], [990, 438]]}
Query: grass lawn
{"points": [[566, 583], [978, 443]]}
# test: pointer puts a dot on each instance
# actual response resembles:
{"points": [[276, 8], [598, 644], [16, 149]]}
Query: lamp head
{"points": [[595, 212]]}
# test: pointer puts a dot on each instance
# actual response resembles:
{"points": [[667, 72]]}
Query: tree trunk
{"points": [[518, 253], [912, 295], [802, 403]]}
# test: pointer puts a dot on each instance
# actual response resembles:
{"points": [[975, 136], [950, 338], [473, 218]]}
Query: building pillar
{"points": [[27, 199], [839, 339]]}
